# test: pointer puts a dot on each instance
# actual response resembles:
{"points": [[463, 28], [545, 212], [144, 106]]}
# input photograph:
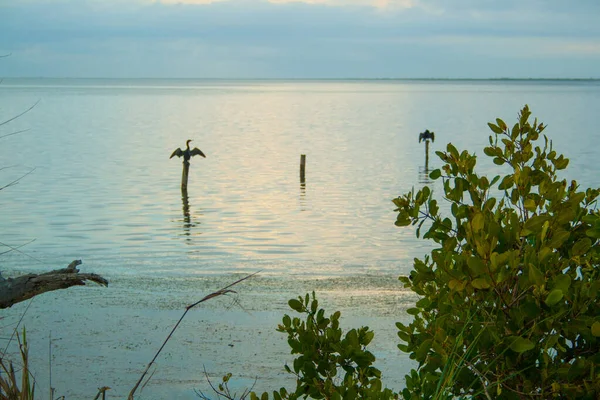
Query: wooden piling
{"points": [[426, 155], [184, 175], [302, 168]]}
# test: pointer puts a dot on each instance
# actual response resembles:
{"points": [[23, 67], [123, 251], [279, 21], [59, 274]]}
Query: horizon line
{"points": [[307, 79]]}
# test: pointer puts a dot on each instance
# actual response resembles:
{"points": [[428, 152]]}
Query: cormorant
{"points": [[426, 135], [187, 153]]}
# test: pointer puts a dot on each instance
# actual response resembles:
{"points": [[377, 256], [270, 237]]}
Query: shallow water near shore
{"points": [[107, 336], [102, 189]]}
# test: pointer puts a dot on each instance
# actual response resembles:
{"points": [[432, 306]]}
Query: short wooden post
{"points": [[184, 175], [426, 155], [302, 168]]}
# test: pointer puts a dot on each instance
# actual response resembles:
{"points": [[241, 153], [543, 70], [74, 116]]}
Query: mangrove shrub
{"points": [[509, 297]]}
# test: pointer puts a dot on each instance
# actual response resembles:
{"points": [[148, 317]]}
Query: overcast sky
{"points": [[301, 39]]}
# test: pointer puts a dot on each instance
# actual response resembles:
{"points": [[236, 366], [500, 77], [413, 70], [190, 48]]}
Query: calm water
{"points": [[104, 189]]}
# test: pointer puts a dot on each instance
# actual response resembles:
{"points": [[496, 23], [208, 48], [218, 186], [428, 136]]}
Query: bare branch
{"points": [[218, 293], [19, 115], [15, 290], [17, 180], [11, 248], [13, 133]]}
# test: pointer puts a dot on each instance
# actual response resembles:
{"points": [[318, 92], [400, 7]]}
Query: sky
{"points": [[306, 39]]}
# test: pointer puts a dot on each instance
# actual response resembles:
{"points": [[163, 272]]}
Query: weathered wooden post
{"points": [[302, 168], [184, 175], [187, 154], [426, 156]]}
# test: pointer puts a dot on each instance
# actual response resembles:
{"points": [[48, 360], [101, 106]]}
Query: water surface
{"points": [[104, 189]]}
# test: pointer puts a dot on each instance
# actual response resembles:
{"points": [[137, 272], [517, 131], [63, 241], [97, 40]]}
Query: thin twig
{"points": [[17, 327], [19, 115], [16, 248], [481, 378], [101, 392], [50, 365], [218, 293], [17, 180], [13, 133], [226, 393], [7, 167]]}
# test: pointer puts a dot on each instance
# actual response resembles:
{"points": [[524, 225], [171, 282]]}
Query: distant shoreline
{"points": [[309, 79]]}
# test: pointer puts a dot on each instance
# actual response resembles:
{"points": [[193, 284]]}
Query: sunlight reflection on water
{"points": [[105, 190]]}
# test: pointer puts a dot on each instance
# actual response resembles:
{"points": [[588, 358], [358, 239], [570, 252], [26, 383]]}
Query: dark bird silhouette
{"points": [[426, 136], [187, 153]]}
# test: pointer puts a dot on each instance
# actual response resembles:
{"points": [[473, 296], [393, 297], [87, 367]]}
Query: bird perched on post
{"points": [[187, 153], [426, 136]]}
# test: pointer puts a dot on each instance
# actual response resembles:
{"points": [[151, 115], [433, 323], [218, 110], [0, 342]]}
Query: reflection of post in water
{"points": [[187, 219], [302, 196], [302, 181], [424, 176]]}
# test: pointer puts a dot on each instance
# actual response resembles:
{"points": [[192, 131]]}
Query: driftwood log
{"points": [[15, 290]]}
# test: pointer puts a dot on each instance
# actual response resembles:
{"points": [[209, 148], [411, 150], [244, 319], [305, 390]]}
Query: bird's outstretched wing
{"points": [[197, 151], [433, 136], [177, 153], [421, 136]]}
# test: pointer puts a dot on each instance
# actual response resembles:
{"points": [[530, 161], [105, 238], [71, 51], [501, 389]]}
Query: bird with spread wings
{"points": [[187, 153], [426, 136]]}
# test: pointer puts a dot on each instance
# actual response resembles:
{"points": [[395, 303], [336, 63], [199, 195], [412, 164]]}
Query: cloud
{"points": [[316, 38]]}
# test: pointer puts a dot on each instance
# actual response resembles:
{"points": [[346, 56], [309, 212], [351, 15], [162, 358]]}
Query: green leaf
{"points": [[480, 283], [596, 329], [403, 219], [476, 265], [533, 225], [452, 150], [507, 182], [489, 151], [535, 275], [413, 311], [477, 222], [295, 305], [581, 246], [558, 239], [501, 124], [530, 205], [498, 161], [495, 128], [521, 345], [436, 173], [554, 297], [423, 349], [456, 285], [424, 302], [562, 282], [593, 233]]}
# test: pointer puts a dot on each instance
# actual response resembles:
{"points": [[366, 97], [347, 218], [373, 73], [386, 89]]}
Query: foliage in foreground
{"points": [[509, 305], [11, 387], [328, 365]]}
